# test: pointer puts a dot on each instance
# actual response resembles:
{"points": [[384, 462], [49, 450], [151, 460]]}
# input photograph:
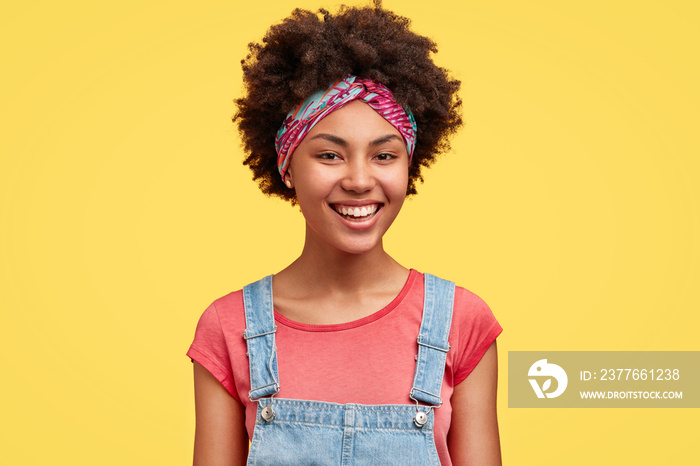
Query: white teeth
{"points": [[358, 212]]}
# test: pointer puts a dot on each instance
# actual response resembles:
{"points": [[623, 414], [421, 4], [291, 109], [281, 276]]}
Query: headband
{"points": [[320, 104]]}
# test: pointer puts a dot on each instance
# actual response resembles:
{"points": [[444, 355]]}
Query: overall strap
{"points": [[260, 338], [433, 340]]}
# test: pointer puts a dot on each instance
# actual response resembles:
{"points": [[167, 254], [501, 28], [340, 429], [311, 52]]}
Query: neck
{"points": [[321, 265]]}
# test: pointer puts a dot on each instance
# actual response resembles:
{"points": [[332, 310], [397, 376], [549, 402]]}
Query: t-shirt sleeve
{"points": [[477, 329], [209, 348]]}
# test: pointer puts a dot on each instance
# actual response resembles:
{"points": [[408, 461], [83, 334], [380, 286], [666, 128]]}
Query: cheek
{"points": [[398, 186], [312, 193], [312, 175]]}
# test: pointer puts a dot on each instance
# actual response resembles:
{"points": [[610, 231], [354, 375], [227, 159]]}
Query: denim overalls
{"points": [[300, 432]]}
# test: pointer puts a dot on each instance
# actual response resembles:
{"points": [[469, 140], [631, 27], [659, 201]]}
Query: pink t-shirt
{"points": [[368, 361]]}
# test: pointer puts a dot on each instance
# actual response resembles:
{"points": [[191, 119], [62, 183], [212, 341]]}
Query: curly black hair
{"points": [[309, 51]]}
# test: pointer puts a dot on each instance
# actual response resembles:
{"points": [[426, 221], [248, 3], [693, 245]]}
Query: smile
{"points": [[356, 213]]}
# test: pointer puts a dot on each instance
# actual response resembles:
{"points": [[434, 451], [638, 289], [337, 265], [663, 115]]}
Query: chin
{"points": [[359, 248]]}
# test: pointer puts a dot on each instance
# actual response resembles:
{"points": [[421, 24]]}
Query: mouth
{"points": [[356, 213]]}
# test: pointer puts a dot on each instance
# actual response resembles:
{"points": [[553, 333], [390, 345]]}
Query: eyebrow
{"points": [[331, 138], [383, 139], [342, 142]]}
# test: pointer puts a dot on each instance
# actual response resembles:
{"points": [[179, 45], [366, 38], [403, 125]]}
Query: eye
{"points": [[385, 157], [328, 156]]}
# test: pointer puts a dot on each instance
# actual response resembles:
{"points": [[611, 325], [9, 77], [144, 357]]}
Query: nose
{"points": [[358, 176]]}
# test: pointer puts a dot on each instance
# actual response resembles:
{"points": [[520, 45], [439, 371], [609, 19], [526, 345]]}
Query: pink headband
{"points": [[321, 103]]}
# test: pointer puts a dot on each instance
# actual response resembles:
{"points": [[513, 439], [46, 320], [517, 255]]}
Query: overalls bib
{"points": [[301, 432]]}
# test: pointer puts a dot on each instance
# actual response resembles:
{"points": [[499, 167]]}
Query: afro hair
{"points": [[308, 51]]}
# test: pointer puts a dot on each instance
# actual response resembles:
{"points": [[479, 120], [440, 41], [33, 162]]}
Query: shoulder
{"points": [[228, 306], [467, 303], [474, 328], [219, 325], [218, 341], [472, 315], [222, 313]]}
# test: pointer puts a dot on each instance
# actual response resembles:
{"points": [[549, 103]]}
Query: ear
{"points": [[288, 180]]}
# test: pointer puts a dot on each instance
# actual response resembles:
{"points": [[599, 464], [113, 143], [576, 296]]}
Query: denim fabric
{"points": [[309, 432], [321, 433], [260, 338], [432, 340]]}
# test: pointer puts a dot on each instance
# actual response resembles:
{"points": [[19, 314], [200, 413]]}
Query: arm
{"points": [[473, 436], [220, 436]]}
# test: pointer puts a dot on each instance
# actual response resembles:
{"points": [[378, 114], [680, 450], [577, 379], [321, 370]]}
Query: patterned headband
{"points": [[321, 103]]}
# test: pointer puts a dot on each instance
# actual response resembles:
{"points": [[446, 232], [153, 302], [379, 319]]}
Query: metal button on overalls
{"points": [[268, 413], [420, 419]]}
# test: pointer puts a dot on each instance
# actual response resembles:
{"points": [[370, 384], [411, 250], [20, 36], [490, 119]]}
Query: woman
{"points": [[359, 360]]}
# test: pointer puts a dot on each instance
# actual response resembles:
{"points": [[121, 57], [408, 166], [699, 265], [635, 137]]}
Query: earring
{"points": [[288, 183]]}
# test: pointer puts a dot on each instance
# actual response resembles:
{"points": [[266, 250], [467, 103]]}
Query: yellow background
{"points": [[570, 203]]}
